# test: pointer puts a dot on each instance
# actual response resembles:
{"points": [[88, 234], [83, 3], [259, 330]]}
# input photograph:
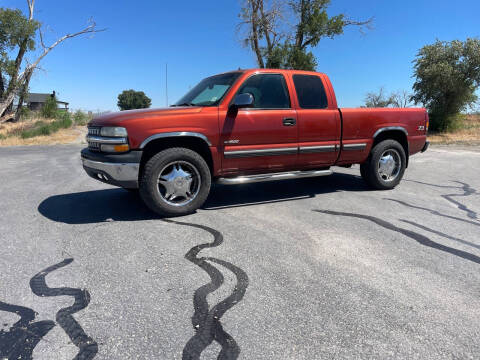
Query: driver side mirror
{"points": [[243, 101]]}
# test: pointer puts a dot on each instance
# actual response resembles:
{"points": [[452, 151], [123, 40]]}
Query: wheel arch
{"points": [[397, 133], [194, 141]]}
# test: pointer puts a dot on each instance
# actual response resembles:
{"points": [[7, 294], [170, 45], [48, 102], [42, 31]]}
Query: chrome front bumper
{"points": [[119, 174]]}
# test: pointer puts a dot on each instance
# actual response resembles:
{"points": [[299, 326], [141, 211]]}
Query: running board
{"points": [[273, 176]]}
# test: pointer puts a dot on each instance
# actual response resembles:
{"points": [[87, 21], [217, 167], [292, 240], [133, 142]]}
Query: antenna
{"points": [[166, 84]]}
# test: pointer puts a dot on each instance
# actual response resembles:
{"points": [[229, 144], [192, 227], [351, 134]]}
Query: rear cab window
{"points": [[310, 92]]}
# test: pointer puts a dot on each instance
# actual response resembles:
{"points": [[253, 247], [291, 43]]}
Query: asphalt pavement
{"points": [[319, 268]]}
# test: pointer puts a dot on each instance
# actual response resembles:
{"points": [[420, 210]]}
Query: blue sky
{"points": [[198, 38]]}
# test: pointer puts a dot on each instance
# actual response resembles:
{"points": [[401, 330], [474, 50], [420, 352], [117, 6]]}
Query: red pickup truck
{"points": [[248, 126]]}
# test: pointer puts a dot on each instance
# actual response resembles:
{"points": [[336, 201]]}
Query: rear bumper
{"points": [[425, 147], [118, 169]]}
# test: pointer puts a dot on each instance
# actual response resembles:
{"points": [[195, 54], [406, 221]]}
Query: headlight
{"points": [[113, 131]]}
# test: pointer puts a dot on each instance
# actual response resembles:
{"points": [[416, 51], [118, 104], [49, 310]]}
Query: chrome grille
{"points": [[94, 146], [94, 131]]}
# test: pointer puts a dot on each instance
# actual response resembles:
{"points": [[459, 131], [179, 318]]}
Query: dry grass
{"points": [[468, 134], [10, 134]]}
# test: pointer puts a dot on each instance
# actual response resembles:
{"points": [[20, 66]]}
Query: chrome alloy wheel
{"points": [[179, 183], [389, 165]]}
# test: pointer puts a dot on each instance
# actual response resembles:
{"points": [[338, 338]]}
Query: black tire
{"points": [[132, 191], [149, 188], [370, 169]]}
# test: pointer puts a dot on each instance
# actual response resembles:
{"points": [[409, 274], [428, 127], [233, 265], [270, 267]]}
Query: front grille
{"points": [[94, 146], [95, 131]]}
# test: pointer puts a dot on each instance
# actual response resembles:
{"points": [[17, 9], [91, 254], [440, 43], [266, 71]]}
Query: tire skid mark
{"points": [[206, 321], [446, 236], [421, 239], [24, 335], [433, 212], [88, 348], [467, 191]]}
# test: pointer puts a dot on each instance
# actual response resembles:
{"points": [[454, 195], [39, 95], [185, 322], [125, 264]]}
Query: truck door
{"points": [[319, 124], [263, 137]]}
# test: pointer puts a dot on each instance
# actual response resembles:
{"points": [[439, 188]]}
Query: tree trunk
{"points": [[4, 105], [2, 85], [23, 92], [255, 36]]}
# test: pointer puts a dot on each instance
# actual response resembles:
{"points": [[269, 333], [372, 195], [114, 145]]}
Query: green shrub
{"points": [[36, 131], [25, 113], [63, 120], [49, 109], [41, 128], [442, 123], [80, 118], [2, 137]]}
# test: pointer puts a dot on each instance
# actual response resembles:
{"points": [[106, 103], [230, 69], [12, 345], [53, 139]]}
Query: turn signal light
{"points": [[114, 148], [121, 148]]}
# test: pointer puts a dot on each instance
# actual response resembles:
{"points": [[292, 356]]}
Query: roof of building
{"points": [[40, 98]]}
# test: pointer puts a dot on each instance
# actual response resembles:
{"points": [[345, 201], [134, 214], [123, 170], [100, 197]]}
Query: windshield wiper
{"points": [[184, 104]]}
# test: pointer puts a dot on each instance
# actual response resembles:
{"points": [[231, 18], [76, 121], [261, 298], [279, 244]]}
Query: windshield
{"points": [[210, 91]]}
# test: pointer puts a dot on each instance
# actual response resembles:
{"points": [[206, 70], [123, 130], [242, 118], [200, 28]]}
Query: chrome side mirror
{"points": [[243, 101]]}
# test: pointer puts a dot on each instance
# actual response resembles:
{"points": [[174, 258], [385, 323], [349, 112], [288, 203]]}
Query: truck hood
{"points": [[117, 118]]}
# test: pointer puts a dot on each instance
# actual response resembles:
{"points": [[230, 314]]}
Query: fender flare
{"points": [[174, 134], [395, 128], [389, 128]]}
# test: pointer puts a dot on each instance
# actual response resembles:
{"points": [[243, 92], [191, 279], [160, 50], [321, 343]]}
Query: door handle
{"points": [[289, 122]]}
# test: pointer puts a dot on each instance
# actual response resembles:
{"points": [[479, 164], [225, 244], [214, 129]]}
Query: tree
{"points": [[131, 99], [50, 108], [447, 75], [398, 99], [378, 99], [18, 32], [276, 44], [401, 99]]}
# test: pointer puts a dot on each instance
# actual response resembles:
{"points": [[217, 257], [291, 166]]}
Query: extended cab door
{"points": [[319, 122], [262, 138]]}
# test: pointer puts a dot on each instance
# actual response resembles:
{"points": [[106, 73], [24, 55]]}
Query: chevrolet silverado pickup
{"points": [[248, 126]]}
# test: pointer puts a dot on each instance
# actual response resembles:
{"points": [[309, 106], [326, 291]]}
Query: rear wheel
{"points": [[385, 166], [175, 182]]}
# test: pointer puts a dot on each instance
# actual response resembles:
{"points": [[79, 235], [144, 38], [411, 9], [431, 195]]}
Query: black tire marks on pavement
{"points": [[436, 232], [421, 239], [88, 348], [467, 191], [205, 320], [24, 335], [434, 212]]}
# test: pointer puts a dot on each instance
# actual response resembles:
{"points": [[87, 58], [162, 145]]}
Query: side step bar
{"points": [[273, 176]]}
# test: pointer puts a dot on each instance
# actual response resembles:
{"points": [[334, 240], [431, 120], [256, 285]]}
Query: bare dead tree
{"points": [[401, 99], [18, 79], [261, 19]]}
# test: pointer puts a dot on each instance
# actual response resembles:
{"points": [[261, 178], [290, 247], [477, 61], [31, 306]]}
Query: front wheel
{"points": [[175, 182], [385, 166]]}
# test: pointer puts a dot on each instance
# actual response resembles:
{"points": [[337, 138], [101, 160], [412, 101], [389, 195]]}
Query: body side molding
{"points": [[379, 131], [174, 134]]}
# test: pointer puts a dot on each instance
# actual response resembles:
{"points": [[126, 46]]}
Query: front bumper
{"points": [[115, 169], [425, 147]]}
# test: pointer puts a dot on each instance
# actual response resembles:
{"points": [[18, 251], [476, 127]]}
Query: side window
{"points": [[310, 92], [268, 90]]}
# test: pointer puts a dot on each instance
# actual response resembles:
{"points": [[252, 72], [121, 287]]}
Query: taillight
{"points": [[427, 122]]}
